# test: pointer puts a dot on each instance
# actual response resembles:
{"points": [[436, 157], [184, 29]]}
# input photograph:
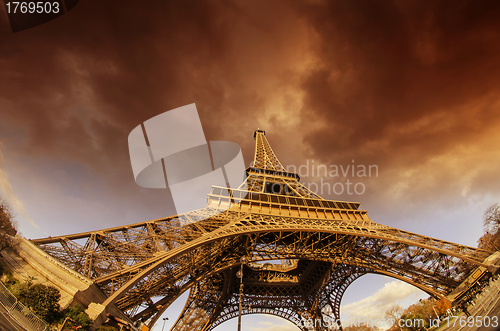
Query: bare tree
{"points": [[394, 314], [7, 225], [491, 238], [492, 219], [360, 327]]}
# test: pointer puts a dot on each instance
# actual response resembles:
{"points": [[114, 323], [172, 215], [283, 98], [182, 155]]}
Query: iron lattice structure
{"points": [[324, 245]]}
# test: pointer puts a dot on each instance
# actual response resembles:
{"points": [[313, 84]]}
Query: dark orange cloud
{"points": [[413, 67], [409, 86]]}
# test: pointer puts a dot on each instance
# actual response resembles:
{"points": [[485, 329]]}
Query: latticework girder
{"points": [[291, 295], [277, 219]]}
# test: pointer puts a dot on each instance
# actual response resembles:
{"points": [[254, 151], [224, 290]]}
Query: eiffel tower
{"points": [[286, 250]]}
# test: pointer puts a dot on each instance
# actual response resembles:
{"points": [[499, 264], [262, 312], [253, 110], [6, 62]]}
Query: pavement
{"points": [[485, 313]]}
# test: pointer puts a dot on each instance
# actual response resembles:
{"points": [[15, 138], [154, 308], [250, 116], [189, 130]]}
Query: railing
{"points": [[23, 315]]}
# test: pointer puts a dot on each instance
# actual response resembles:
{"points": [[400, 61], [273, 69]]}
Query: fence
{"points": [[23, 315]]}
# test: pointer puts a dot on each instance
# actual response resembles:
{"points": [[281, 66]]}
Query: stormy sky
{"points": [[411, 87]]}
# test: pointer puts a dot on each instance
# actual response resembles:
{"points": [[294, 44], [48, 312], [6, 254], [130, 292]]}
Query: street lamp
{"points": [[239, 274], [164, 320], [437, 315]]}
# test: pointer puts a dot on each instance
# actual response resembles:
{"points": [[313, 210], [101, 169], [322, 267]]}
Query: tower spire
{"points": [[267, 174], [264, 157]]}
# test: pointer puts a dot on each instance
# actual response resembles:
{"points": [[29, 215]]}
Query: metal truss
{"points": [[326, 245]]}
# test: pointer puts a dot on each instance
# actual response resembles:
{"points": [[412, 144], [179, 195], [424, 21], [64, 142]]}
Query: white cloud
{"points": [[375, 306], [272, 323], [275, 327]]}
